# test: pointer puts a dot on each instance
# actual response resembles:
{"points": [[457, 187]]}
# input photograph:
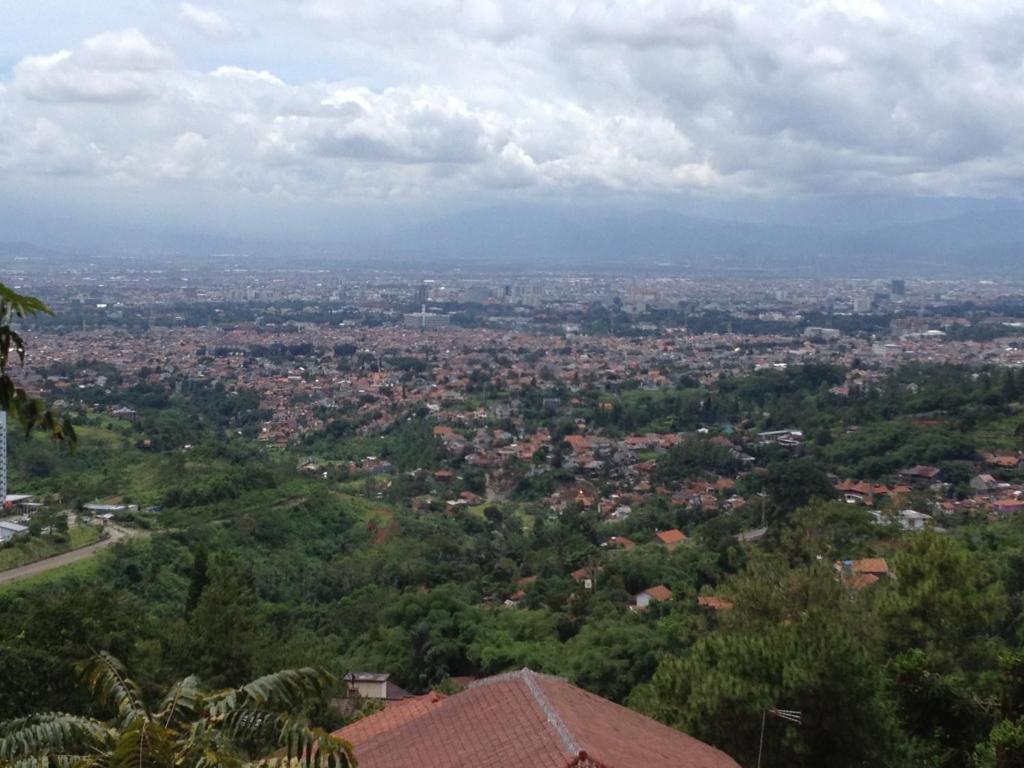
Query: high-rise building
{"points": [[477, 294], [426, 320], [3, 456], [898, 287]]}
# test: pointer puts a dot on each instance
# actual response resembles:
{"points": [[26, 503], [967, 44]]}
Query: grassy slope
{"points": [[84, 569], [30, 550]]}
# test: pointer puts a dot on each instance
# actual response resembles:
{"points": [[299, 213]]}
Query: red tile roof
{"points": [[875, 565], [923, 471], [671, 537], [1004, 460], [584, 573], [715, 603], [661, 593], [861, 580], [528, 719], [621, 541], [394, 714], [578, 442]]}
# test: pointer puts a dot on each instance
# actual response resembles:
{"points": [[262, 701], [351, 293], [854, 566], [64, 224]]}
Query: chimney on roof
{"points": [[369, 685]]}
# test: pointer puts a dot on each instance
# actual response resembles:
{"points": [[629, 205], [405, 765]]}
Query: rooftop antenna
{"points": [[789, 715]]}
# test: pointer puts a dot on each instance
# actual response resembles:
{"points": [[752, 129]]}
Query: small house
{"points": [[671, 538], [657, 594], [374, 685], [9, 530]]}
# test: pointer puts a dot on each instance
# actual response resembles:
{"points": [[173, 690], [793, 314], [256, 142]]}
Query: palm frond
{"points": [[19, 304], [287, 690], [100, 759], [50, 761], [215, 758], [249, 726], [314, 748], [184, 701], [190, 729], [48, 734], [205, 745], [109, 681], [33, 413], [144, 744], [14, 304]]}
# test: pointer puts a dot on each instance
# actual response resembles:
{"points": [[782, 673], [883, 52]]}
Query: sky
{"points": [[313, 115]]}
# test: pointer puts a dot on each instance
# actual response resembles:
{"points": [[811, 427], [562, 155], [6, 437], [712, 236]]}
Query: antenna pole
{"points": [[789, 715], [760, 745]]}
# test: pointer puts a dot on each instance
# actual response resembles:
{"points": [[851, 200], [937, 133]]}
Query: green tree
{"points": [[200, 577], [944, 597], [223, 628], [1010, 386], [943, 617], [830, 530], [794, 640], [693, 457], [1004, 747], [612, 654], [1018, 433], [792, 484], [189, 728]]}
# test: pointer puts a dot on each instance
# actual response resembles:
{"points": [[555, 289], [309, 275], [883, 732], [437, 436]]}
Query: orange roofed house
{"points": [[859, 574], [671, 538], [527, 720], [658, 594]]}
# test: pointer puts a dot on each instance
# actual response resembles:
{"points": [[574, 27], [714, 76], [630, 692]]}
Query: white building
{"points": [[912, 520], [9, 530]]}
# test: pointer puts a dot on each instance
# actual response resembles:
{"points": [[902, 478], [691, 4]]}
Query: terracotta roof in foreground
{"points": [[527, 719], [394, 714]]}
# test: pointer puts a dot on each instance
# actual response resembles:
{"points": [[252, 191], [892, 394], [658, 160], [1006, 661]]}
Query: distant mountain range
{"points": [[982, 244], [975, 244]]}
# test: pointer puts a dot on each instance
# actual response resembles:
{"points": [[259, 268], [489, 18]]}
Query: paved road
{"points": [[65, 558]]}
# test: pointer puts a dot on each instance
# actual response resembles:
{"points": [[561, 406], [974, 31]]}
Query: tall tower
{"points": [[3, 456]]}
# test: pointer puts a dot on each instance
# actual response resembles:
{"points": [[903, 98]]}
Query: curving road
{"points": [[65, 558]]}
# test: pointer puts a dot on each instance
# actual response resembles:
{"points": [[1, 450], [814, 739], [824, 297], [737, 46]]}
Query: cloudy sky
{"points": [[202, 111]]}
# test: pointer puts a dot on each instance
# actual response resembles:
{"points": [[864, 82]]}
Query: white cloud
{"points": [[210, 23], [111, 67], [248, 75], [437, 98]]}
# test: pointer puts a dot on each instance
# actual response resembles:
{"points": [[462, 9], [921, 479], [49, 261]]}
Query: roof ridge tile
{"points": [[556, 722], [529, 678]]}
